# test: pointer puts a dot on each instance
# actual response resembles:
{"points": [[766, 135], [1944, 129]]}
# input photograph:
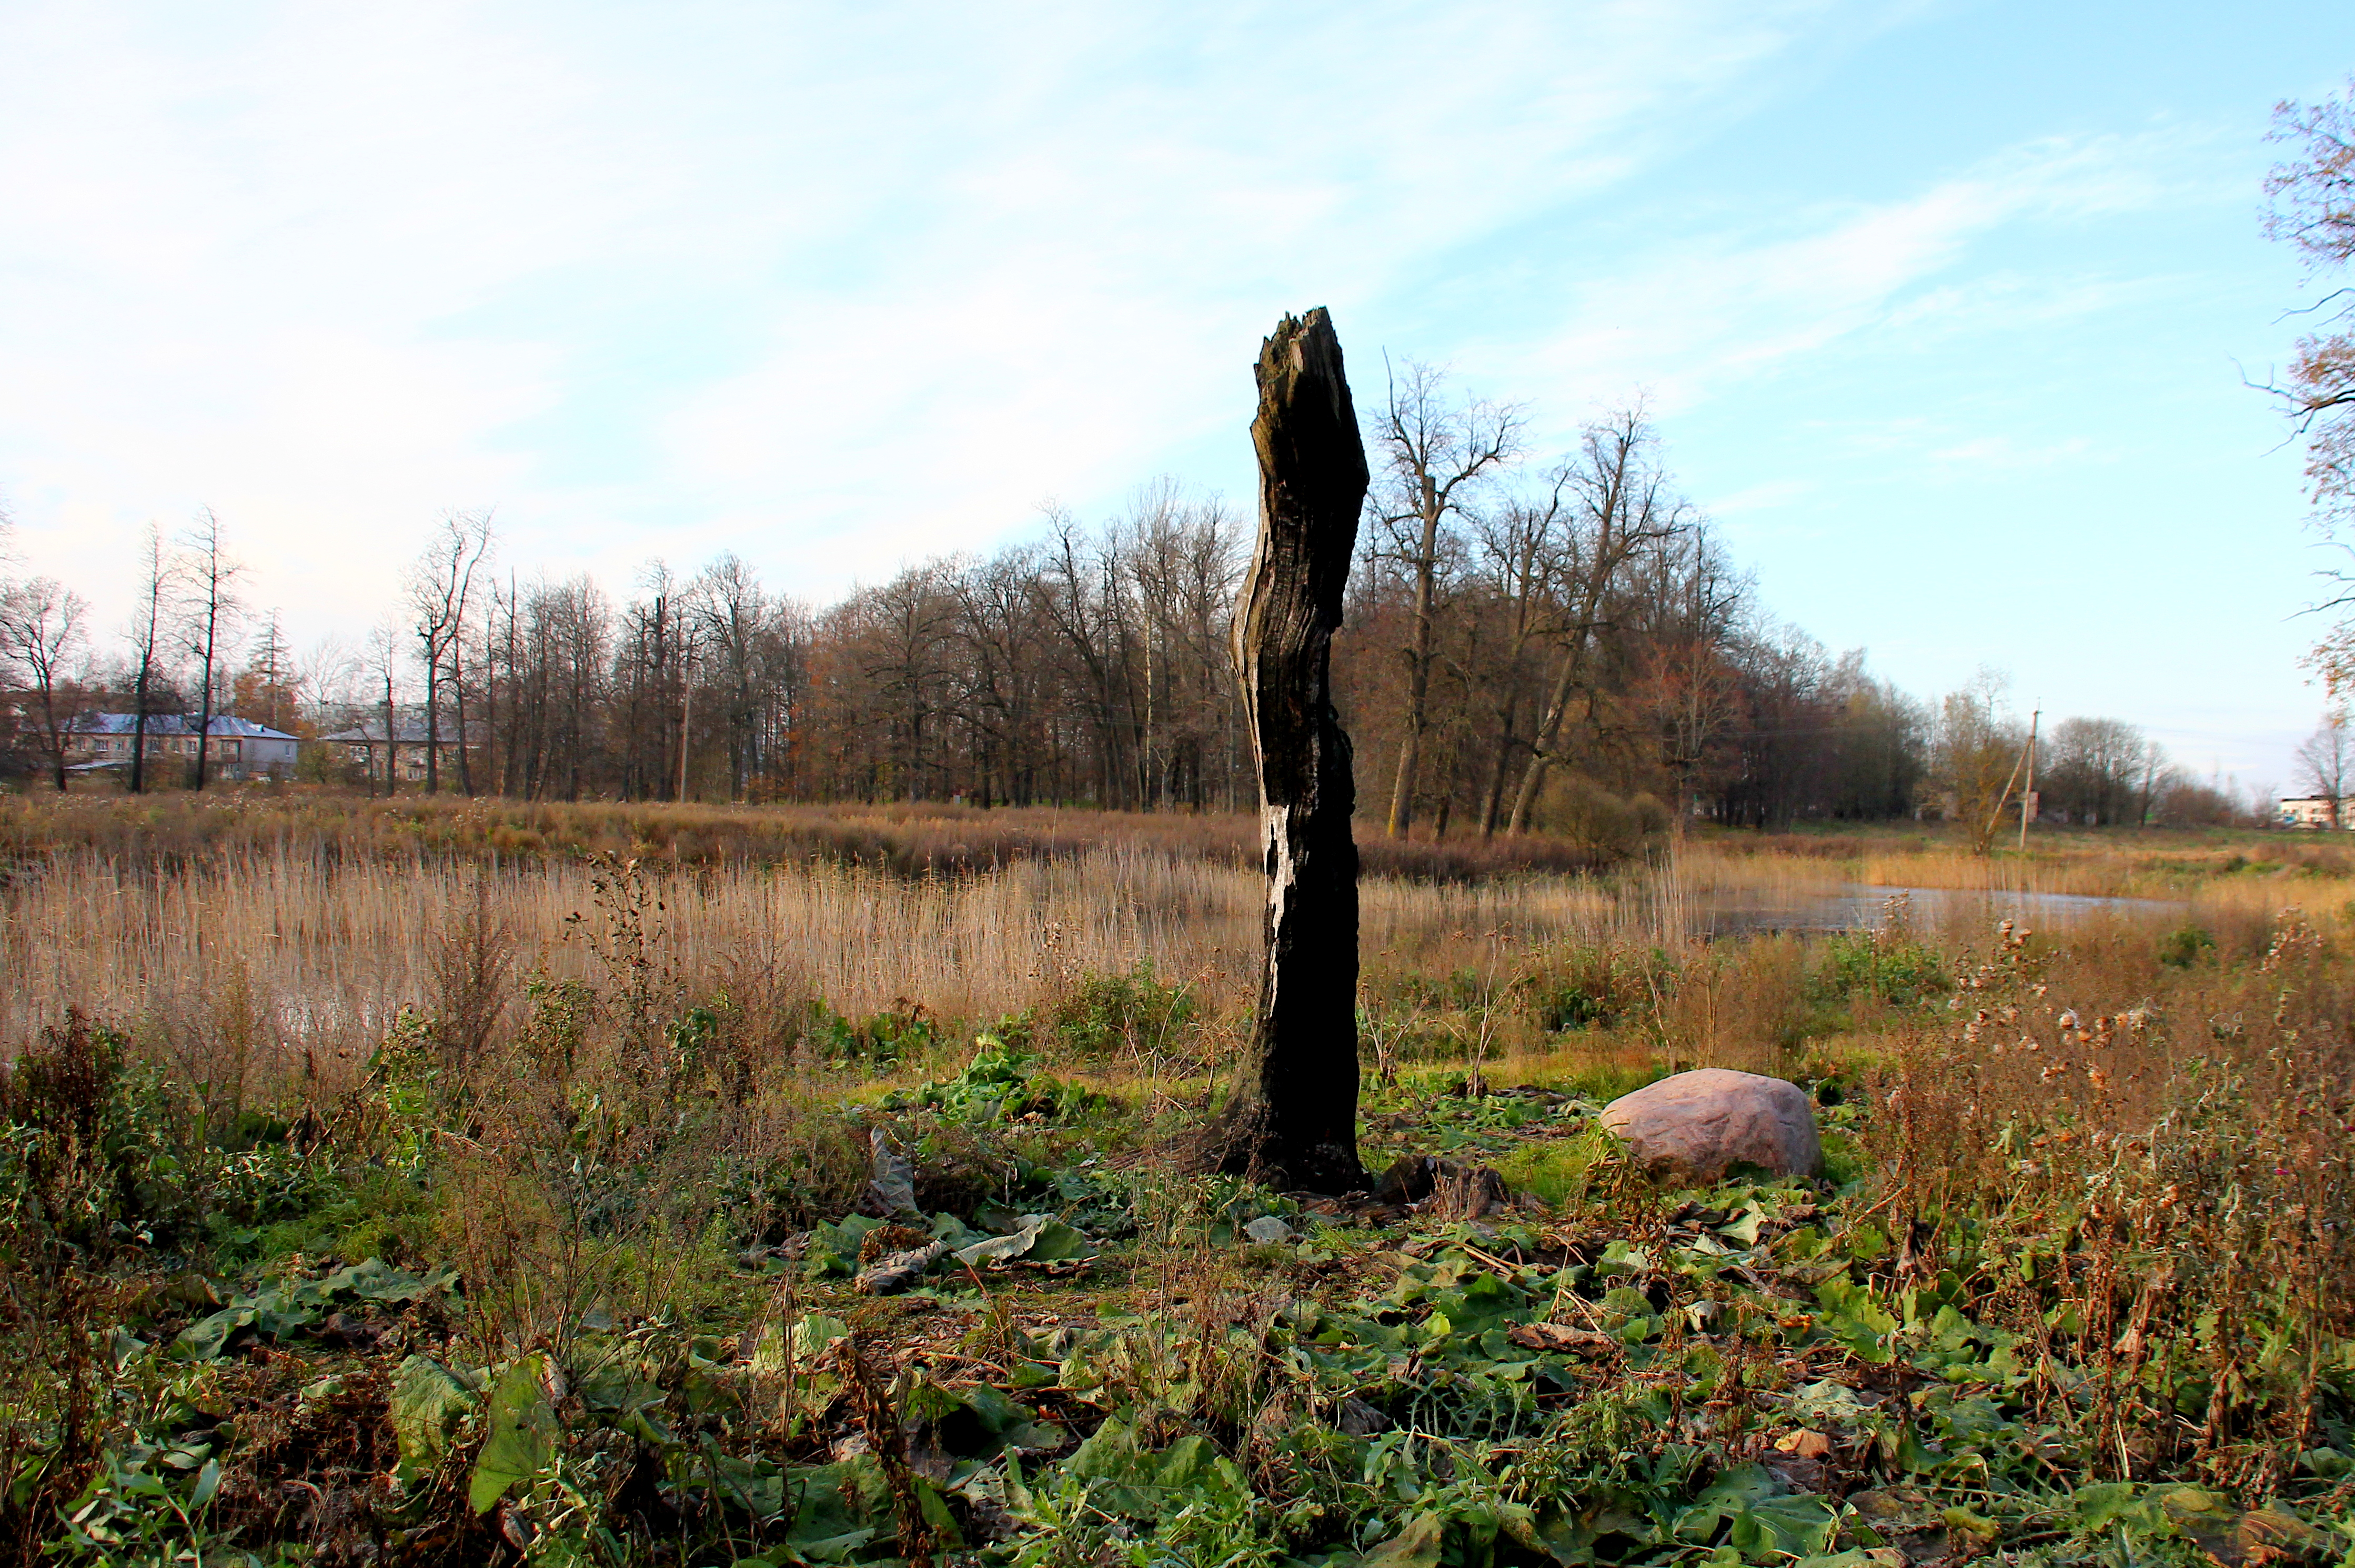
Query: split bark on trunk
{"points": [[1292, 1119]]}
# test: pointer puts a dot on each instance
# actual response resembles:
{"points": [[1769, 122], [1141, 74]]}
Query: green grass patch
{"points": [[1556, 1169]]}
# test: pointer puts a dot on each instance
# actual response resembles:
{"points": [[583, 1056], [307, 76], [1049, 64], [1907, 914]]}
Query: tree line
{"points": [[1534, 640]]}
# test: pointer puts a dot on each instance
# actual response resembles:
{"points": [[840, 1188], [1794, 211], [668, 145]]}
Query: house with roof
{"points": [[240, 749], [2314, 811], [362, 742]]}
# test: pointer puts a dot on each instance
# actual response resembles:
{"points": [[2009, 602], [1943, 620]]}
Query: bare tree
{"points": [[1519, 556], [1622, 507], [211, 612], [2313, 210], [734, 614], [439, 585], [2090, 766], [1436, 450], [384, 645], [147, 646], [2326, 763], [40, 629], [324, 671]]}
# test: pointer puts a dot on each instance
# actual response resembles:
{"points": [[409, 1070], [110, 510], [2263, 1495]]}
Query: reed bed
{"points": [[272, 951], [2093, 863], [907, 838], [253, 933]]}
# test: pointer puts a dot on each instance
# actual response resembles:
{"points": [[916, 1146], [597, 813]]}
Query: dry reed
{"points": [[256, 953]]}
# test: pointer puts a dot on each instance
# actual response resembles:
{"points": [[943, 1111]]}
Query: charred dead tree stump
{"points": [[1291, 1120]]}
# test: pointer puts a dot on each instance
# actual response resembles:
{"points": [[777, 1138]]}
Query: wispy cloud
{"points": [[829, 286], [1704, 314]]}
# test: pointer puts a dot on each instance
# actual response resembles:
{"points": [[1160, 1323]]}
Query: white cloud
{"points": [[833, 287], [1702, 314], [2003, 455]]}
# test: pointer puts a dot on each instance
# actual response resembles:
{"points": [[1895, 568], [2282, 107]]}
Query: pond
{"points": [[1951, 911]]}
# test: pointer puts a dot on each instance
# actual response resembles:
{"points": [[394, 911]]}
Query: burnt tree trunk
{"points": [[1292, 1118]]}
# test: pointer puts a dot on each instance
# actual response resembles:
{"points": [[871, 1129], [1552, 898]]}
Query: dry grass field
{"points": [[451, 1182]]}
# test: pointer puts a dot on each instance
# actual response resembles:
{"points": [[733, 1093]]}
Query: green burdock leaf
{"points": [[2105, 1503], [1800, 1526], [1042, 1239], [828, 1518], [205, 1337], [373, 1279], [814, 1333], [1745, 1228], [834, 1249], [1057, 1242], [1416, 1545], [524, 1431], [426, 1402], [1852, 1317], [1760, 1519]]}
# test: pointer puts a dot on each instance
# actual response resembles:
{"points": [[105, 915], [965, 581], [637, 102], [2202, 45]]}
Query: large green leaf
{"points": [[373, 1279], [1801, 1526], [1042, 1239], [524, 1431], [1129, 1479], [831, 1504], [814, 1333], [1851, 1316], [204, 1338], [1760, 1520], [428, 1400], [1416, 1545]]}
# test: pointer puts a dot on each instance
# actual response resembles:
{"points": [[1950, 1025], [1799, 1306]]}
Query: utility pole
{"points": [[2028, 793]]}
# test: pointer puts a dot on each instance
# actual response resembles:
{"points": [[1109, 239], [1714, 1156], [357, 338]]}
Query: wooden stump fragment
{"points": [[1292, 1118]]}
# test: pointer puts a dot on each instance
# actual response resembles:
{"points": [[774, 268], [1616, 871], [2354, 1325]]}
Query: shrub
{"points": [[1886, 965], [1596, 988], [2186, 945], [1608, 825], [1133, 1014]]}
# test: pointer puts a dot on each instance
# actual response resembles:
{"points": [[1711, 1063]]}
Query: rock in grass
{"points": [[1267, 1229], [1693, 1127]]}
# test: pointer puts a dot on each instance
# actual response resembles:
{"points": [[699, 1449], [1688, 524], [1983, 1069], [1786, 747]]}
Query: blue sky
{"points": [[1943, 308]]}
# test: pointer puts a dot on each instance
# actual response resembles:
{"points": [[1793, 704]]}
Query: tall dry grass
{"points": [[2143, 1169], [2151, 863], [249, 959], [906, 838], [256, 935]]}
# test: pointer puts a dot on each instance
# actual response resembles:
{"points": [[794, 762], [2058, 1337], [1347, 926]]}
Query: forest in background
{"points": [[1533, 641]]}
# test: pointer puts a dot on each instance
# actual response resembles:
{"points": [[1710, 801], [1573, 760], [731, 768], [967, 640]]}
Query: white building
{"points": [[2314, 811]]}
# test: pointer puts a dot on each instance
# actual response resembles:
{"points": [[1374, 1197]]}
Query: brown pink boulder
{"points": [[1695, 1126]]}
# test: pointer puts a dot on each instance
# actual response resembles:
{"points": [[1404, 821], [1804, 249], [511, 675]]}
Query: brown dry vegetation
{"points": [[921, 837], [2115, 1154]]}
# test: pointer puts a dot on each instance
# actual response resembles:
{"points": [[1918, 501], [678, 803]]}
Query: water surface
{"points": [[1857, 907]]}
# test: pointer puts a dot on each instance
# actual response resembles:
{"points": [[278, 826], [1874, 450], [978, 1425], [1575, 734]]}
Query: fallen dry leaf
{"points": [[1561, 1336]]}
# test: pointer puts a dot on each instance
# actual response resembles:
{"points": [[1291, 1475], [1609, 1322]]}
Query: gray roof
{"points": [[172, 724], [411, 732]]}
